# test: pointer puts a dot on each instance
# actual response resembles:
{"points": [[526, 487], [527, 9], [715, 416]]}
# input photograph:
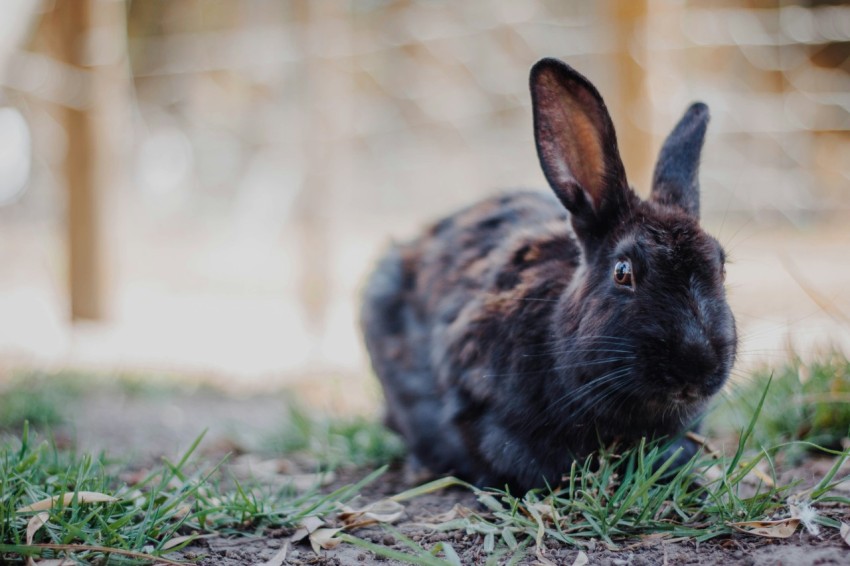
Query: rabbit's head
{"points": [[645, 326]]}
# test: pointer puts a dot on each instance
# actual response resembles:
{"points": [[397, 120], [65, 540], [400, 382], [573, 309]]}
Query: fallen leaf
{"points": [[458, 511], [448, 520], [277, 559], [54, 562], [33, 525], [312, 523], [581, 559], [545, 510], [783, 528], [36, 523], [67, 499], [324, 538], [845, 533], [383, 511], [306, 527], [763, 477]]}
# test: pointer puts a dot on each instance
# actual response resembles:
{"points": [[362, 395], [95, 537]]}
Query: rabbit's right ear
{"points": [[576, 142]]}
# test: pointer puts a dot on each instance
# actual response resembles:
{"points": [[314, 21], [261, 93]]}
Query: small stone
{"points": [[388, 540]]}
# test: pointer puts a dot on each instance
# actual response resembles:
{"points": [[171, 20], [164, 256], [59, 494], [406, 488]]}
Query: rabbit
{"points": [[515, 335]]}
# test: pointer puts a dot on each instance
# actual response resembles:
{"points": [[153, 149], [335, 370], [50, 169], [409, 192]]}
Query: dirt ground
{"points": [[801, 549], [143, 427]]}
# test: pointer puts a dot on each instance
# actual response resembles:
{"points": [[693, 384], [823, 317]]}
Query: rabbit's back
{"points": [[443, 314]]}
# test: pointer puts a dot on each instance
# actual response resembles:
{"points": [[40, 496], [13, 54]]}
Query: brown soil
{"points": [[142, 427], [801, 549]]}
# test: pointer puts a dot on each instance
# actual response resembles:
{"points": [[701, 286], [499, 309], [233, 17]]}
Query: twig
{"points": [[18, 548]]}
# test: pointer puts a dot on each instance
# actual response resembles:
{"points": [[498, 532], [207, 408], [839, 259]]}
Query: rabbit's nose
{"points": [[697, 357]]}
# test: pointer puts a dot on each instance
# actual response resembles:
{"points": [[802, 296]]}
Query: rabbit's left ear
{"points": [[676, 178], [576, 143]]}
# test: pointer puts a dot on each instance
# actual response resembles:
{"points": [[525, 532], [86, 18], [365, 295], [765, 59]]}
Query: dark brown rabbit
{"points": [[515, 335]]}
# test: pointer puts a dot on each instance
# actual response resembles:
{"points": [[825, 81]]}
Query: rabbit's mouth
{"points": [[681, 400], [686, 395]]}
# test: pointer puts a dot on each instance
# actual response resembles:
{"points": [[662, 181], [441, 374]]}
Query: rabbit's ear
{"points": [[576, 142], [676, 178]]}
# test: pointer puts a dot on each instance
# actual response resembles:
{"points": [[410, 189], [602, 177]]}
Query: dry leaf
{"points": [[581, 559], [54, 562], [783, 528], [277, 559], [307, 526], [545, 510], [383, 511], [312, 523], [845, 533], [763, 477], [324, 538], [458, 511], [67, 499], [33, 525], [36, 523]]}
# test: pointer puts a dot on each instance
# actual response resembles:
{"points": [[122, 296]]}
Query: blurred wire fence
{"points": [[214, 178]]}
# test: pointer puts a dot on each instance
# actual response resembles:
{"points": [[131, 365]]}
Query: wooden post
{"points": [[628, 18], [324, 97], [96, 127]]}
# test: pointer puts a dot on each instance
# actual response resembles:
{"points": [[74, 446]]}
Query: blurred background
{"points": [[200, 187]]}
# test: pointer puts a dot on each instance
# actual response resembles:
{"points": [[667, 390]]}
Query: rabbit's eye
{"points": [[623, 273]]}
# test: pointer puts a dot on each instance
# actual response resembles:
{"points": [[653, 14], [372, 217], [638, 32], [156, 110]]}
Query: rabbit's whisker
{"points": [[577, 351], [602, 404], [580, 394], [593, 339], [594, 362], [560, 367]]}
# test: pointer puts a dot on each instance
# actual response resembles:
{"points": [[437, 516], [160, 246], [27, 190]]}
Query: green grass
{"points": [[175, 498], [808, 402], [335, 442], [46, 399], [618, 497], [35, 398], [613, 498]]}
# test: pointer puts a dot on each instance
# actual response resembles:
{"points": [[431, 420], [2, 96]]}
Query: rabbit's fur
{"points": [[517, 334]]}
